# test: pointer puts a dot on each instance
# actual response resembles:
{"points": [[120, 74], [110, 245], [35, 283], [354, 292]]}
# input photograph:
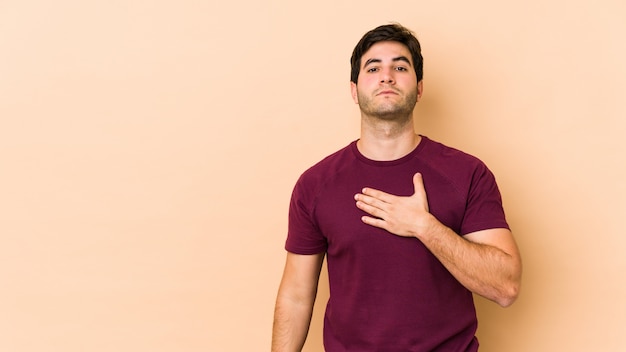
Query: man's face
{"points": [[387, 87]]}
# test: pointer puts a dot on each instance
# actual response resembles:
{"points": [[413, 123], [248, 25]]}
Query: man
{"points": [[410, 227]]}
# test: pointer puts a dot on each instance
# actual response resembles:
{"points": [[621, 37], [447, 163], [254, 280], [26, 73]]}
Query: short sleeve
{"points": [[304, 236], [484, 203]]}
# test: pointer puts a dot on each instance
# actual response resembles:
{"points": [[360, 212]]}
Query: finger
{"points": [[420, 191], [377, 203], [370, 209], [374, 222], [374, 193]]}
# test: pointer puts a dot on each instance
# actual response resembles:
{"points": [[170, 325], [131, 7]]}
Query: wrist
{"points": [[427, 227]]}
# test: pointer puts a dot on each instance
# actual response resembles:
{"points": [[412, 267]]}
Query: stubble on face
{"points": [[383, 109], [386, 88]]}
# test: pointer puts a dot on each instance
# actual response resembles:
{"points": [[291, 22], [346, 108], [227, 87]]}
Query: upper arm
{"points": [[500, 238], [301, 275]]}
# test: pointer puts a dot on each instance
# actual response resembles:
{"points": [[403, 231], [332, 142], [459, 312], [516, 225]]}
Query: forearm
{"points": [[291, 324], [484, 269], [294, 303]]}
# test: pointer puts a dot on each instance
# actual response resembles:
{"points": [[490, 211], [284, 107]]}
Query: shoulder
{"points": [[328, 166], [464, 172], [312, 183], [439, 150], [316, 177], [447, 159]]}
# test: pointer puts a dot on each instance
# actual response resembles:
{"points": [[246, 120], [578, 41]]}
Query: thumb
{"points": [[420, 191]]}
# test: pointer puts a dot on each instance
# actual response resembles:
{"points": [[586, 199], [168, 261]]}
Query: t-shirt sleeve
{"points": [[304, 236], [484, 203]]}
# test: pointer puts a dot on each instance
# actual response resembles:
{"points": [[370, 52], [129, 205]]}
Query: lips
{"points": [[387, 92]]}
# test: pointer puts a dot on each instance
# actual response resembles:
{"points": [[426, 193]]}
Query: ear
{"points": [[354, 92], [420, 89]]}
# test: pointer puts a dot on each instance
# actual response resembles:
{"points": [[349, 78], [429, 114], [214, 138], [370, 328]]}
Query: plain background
{"points": [[148, 150]]}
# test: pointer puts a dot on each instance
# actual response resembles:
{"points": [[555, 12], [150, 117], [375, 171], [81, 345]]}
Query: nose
{"points": [[387, 76]]}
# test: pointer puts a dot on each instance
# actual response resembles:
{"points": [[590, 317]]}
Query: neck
{"points": [[387, 140]]}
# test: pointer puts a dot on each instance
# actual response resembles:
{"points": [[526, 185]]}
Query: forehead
{"points": [[386, 51]]}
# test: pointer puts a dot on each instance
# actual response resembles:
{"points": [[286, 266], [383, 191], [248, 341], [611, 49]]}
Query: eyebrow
{"points": [[395, 59]]}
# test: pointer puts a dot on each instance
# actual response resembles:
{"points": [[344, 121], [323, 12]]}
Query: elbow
{"points": [[510, 290], [509, 294], [506, 301]]}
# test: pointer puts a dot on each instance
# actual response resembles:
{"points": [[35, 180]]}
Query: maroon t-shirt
{"points": [[389, 293]]}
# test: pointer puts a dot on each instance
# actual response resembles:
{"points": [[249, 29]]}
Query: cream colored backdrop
{"points": [[148, 150]]}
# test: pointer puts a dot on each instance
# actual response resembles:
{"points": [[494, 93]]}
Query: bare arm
{"points": [[486, 262], [294, 303]]}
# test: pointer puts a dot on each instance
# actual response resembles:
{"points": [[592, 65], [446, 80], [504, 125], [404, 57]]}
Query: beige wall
{"points": [[148, 150]]}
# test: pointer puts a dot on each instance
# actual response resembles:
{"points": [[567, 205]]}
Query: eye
{"points": [[372, 69], [401, 68]]}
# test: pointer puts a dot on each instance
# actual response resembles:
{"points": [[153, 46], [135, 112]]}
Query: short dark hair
{"points": [[390, 32]]}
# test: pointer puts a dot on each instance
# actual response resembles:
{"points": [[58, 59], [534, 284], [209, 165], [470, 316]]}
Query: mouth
{"points": [[387, 92]]}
